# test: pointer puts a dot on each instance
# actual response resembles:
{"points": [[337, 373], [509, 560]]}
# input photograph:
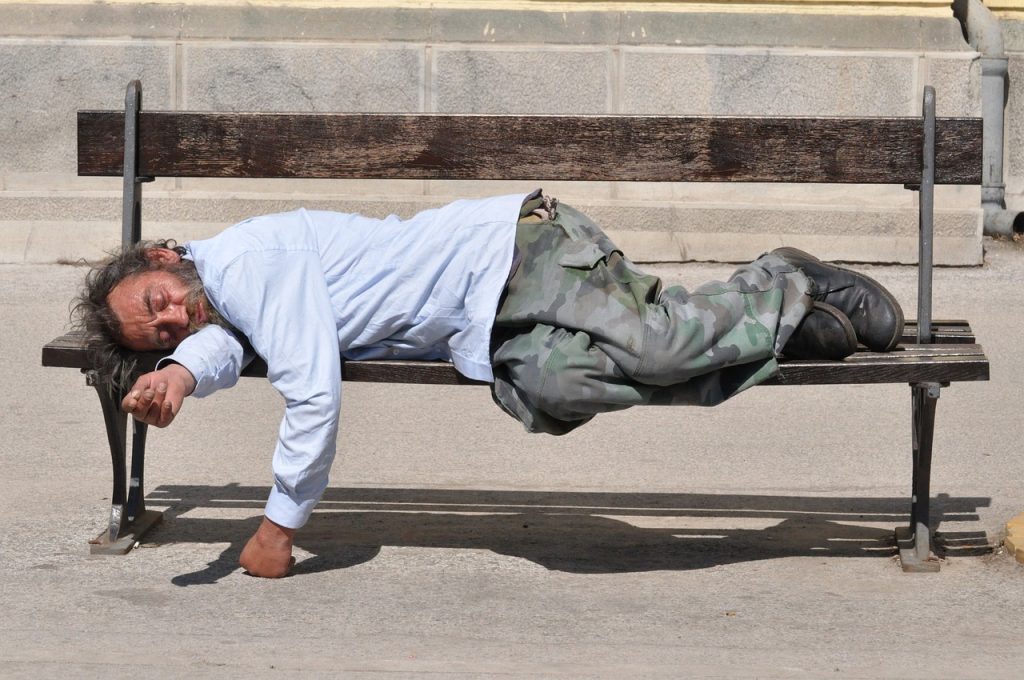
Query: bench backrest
{"points": [[602, 148]]}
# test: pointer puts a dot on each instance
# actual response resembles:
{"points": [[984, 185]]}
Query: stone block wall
{"points": [[1013, 134], [57, 59]]}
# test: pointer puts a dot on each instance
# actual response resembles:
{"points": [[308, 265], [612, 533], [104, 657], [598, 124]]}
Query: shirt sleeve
{"points": [[214, 357], [279, 301]]}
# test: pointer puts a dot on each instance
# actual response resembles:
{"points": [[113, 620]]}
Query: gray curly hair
{"points": [[116, 366]]}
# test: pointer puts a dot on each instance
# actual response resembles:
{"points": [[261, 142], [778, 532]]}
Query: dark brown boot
{"points": [[876, 316], [825, 333]]}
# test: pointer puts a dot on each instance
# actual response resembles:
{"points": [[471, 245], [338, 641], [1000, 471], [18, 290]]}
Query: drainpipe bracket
{"points": [[993, 193], [994, 66]]}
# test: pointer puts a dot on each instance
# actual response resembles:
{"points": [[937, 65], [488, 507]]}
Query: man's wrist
{"points": [[272, 531], [178, 372], [274, 537]]}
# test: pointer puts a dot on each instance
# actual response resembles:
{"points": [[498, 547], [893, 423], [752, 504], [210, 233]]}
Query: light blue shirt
{"points": [[309, 288]]}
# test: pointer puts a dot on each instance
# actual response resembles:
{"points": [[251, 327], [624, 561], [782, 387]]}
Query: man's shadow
{"points": [[585, 533]]}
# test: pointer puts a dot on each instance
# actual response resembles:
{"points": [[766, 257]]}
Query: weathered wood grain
{"points": [[905, 369], [592, 148]]}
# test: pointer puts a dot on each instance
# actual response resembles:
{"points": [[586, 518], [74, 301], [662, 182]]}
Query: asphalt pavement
{"points": [[749, 540]]}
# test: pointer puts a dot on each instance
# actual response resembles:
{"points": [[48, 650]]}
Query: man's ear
{"points": [[162, 256]]}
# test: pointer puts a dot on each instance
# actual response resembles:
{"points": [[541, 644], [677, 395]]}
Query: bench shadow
{"points": [[577, 532]]}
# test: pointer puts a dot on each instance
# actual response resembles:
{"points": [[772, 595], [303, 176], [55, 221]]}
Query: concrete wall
{"points": [[57, 59], [1013, 136]]}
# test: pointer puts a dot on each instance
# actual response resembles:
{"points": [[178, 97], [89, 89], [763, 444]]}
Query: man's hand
{"points": [[157, 397], [269, 552]]}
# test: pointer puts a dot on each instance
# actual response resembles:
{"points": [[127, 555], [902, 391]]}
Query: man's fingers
{"points": [[168, 410], [166, 414], [139, 403], [146, 404], [155, 398], [172, 404], [154, 407], [131, 400]]}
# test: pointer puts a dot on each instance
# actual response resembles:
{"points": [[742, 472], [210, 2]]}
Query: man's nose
{"points": [[174, 315]]}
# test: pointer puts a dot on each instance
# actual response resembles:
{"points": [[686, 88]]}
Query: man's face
{"points": [[157, 310]]}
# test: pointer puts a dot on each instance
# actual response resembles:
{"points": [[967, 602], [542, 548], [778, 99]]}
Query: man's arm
{"points": [[280, 302]]}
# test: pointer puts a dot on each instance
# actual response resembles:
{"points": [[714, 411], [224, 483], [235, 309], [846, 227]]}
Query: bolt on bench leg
{"points": [[129, 520], [914, 541]]}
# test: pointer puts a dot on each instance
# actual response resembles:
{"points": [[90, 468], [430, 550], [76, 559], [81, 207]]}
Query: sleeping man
{"points": [[518, 291]]}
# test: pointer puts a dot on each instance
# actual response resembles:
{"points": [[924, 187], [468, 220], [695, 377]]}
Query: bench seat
{"points": [[953, 356]]}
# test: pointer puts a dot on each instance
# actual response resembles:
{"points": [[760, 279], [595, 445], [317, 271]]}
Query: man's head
{"points": [[143, 298], [157, 308]]}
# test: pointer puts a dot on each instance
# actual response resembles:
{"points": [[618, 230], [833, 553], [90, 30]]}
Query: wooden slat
{"points": [[69, 352], [955, 331], [414, 372], [908, 363], [594, 148], [904, 369]]}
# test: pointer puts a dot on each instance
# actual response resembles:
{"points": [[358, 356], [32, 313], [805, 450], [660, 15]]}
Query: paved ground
{"points": [[751, 540]]}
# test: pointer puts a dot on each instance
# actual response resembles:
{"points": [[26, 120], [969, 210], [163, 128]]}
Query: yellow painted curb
{"points": [[1015, 537]]}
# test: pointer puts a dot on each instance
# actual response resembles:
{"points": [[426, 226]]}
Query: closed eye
{"points": [[159, 302], [155, 303]]}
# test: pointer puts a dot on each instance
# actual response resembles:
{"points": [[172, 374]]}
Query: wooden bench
{"points": [[915, 152]]}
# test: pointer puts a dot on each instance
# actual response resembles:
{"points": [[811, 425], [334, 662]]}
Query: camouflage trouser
{"points": [[581, 330]]}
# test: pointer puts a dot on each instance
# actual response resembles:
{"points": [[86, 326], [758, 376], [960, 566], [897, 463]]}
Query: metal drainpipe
{"points": [[981, 28]]}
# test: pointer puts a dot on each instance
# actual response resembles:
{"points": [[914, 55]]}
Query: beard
{"points": [[186, 271]]}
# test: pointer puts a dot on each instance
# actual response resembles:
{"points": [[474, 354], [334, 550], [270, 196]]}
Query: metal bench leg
{"points": [[914, 541], [129, 520]]}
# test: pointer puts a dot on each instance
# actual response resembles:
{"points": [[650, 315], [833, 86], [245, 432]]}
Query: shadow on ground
{"points": [[587, 533]]}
